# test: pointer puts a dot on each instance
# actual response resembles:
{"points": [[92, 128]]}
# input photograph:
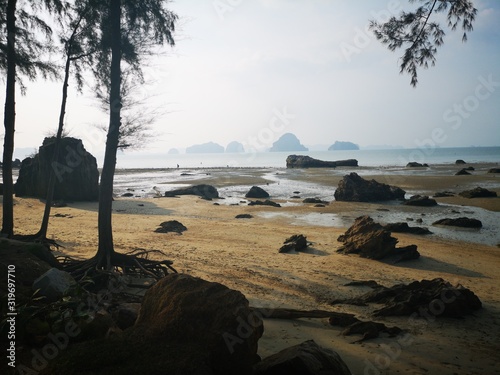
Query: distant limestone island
{"points": [[288, 142], [343, 146]]}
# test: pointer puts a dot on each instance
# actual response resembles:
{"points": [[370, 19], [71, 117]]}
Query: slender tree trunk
{"points": [[9, 122], [52, 178], [106, 250]]}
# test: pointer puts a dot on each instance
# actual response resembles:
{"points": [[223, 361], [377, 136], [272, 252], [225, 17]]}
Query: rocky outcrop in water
{"points": [[353, 188], [205, 148], [343, 146], [75, 170], [478, 192], [463, 222], [304, 161], [257, 192], [203, 191], [421, 201]]}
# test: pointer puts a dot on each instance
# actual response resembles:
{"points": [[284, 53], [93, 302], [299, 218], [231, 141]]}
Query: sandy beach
{"points": [[243, 254]]}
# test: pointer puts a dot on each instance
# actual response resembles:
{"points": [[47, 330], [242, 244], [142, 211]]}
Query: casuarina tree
{"points": [[419, 35]]}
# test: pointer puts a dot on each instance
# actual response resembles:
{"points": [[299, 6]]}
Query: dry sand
{"points": [[243, 254]]}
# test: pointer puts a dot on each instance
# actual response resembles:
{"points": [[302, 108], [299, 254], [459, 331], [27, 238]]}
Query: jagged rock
{"points": [[421, 201], [297, 242], [460, 161], [307, 358], [54, 284], [414, 164], [494, 170], [257, 192], [76, 172], [304, 161], [353, 188], [171, 226], [436, 297], [478, 192], [127, 195], [314, 200], [463, 222], [403, 227], [371, 240], [267, 202], [243, 216], [203, 190], [444, 194], [462, 172]]}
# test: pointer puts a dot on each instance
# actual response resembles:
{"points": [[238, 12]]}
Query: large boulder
{"points": [[257, 192], [76, 172], [307, 358], [54, 284], [210, 315], [185, 326], [203, 190], [353, 188], [370, 240], [304, 161]]}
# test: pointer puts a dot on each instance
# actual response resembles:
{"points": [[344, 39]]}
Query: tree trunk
{"points": [[42, 233], [9, 122], [105, 250]]}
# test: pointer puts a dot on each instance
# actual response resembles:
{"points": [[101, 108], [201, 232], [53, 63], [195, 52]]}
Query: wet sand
{"points": [[243, 254]]}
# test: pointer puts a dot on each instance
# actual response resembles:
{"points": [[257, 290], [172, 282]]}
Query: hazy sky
{"points": [[251, 70]]}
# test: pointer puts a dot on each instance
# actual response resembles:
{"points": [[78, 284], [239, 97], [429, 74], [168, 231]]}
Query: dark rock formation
{"points": [[307, 358], [460, 161], [235, 147], [209, 316], [288, 142], [436, 297], [204, 191], [414, 164], [76, 172], [405, 228], [243, 216], [340, 146], [186, 325], [297, 242], [353, 188], [304, 161], [463, 222], [444, 194], [171, 226], [420, 200], [371, 240], [127, 195], [125, 314], [314, 200], [494, 170], [478, 192], [462, 172], [257, 192], [267, 202]]}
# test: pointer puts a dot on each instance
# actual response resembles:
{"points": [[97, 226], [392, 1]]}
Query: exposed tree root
{"points": [[135, 263], [47, 242]]}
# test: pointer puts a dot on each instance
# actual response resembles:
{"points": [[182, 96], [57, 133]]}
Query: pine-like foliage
{"points": [[419, 35]]}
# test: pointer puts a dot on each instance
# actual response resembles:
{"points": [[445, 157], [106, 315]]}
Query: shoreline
{"points": [[243, 255]]}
